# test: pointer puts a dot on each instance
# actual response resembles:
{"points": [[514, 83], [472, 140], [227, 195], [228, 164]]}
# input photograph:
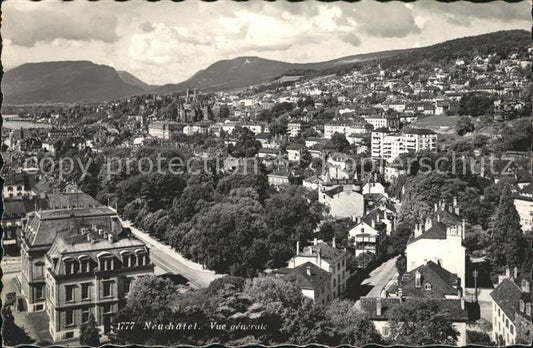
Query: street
{"points": [[380, 277], [373, 283], [171, 261]]}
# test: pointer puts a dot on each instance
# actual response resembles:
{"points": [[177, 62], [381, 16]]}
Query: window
{"points": [[522, 306], [427, 287], [511, 327], [85, 314], [106, 263], [107, 289], [128, 260], [127, 285], [85, 291], [10, 188], [84, 263], [507, 323], [19, 188], [69, 293], [528, 308], [69, 317], [69, 267], [39, 292], [39, 267], [107, 308], [142, 259]]}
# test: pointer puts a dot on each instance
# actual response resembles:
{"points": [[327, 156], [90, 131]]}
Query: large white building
{"points": [[524, 206], [347, 128], [389, 145], [439, 240]]}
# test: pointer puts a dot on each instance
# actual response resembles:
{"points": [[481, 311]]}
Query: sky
{"points": [[166, 42]]}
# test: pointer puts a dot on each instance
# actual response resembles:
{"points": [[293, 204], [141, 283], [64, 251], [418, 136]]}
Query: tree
{"points": [[420, 322], [339, 143], [351, 326], [401, 264], [508, 243], [305, 158], [246, 146], [11, 333], [150, 299], [89, 333], [464, 125], [291, 217], [229, 236], [475, 105]]}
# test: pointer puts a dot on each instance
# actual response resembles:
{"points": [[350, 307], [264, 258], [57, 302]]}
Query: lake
{"points": [[24, 124]]}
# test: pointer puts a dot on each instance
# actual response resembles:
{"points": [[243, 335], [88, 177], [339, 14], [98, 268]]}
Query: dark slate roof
{"points": [[72, 199], [327, 253], [507, 295], [436, 231], [442, 282], [295, 146], [305, 281], [43, 226], [452, 306], [18, 208], [449, 218], [419, 131]]}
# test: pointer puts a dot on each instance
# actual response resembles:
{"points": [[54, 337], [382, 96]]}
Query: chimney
{"points": [[378, 306], [463, 229], [333, 244], [507, 273], [319, 258], [315, 241], [308, 270], [373, 223], [462, 303], [298, 248], [515, 272], [526, 286], [436, 207], [429, 223], [438, 217]]}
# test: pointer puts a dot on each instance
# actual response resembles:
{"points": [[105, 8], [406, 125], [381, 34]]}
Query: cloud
{"points": [[27, 28], [465, 13], [391, 19], [352, 39]]}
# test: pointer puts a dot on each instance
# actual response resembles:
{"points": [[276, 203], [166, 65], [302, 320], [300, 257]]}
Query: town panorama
{"points": [[325, 173]]}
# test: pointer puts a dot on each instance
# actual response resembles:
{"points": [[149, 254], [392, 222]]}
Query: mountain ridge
{"points": [[84, 81]]}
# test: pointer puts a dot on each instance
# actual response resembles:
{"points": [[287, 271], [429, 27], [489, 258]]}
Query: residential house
{"points": [[511, 310], [439, 239], [328, 258]]}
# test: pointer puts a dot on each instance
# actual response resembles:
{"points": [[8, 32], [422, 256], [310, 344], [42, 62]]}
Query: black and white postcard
{"points": [[266, 173]]}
